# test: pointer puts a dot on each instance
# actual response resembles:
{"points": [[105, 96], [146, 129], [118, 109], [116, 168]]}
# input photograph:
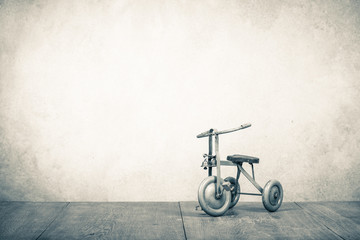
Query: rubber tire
{"points": [[234, 199], [206, 196], [272, 195]]}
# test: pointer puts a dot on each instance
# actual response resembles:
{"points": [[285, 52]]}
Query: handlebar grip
{"points": [[246, 125], [214, 131], [205, 134]]}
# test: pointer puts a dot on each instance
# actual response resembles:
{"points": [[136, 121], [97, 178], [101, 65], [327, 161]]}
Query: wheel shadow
{"points": [[242, 209]]}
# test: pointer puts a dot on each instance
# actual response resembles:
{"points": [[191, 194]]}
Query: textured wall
{"points": [[102, 100]]}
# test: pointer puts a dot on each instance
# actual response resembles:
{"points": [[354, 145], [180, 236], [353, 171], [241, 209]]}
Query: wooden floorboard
{"points": [[173, 220], [146, 220], [342, 218], [252, 221], [349, 210], [27, 220]]}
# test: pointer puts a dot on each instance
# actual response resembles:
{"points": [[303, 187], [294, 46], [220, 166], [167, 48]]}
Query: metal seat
{"points": [[237, 158]]}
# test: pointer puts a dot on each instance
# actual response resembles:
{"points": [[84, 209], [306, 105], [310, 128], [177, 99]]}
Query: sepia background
{"points": [[102, 100]]}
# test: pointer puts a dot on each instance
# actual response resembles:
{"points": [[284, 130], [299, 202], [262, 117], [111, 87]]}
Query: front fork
{"points": [[218, 191], [209, 163]]}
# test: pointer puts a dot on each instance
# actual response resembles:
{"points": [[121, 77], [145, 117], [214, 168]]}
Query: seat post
{"points": [[237, 177], [252, 169], [218, 174]]}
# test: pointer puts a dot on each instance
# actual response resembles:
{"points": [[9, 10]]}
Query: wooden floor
{"points": [[177, 220]]}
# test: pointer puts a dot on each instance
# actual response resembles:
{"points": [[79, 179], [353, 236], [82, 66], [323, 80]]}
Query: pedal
{"points": [[205, 162], [227, 186]]}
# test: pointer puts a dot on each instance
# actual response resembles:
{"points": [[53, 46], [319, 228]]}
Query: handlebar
{"points": [[215, 132]]}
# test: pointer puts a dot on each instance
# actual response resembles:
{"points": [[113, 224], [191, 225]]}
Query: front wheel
{"points": [[272, 195], [207, 199]]}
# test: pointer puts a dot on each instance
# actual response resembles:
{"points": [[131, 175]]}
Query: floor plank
{"points": [[26, 220], [252, 221], [340, 217], [145, 220], [349, 210], [172, 220]]}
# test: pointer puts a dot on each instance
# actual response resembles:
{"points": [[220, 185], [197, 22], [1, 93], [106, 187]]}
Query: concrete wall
{"points": [[102, 100]]}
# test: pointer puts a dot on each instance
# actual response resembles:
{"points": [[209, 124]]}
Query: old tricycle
{"points": [[217, 195]]}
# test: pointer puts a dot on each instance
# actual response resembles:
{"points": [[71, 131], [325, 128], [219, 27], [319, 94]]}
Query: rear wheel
{"points": [[235, 195], [207, 198], [272, 195]]}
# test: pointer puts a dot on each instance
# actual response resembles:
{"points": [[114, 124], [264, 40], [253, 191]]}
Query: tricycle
{"points": [[217, 195]]}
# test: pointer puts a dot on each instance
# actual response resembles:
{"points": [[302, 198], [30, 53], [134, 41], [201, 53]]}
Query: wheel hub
{"points": [[214, 201], [274, 195]]}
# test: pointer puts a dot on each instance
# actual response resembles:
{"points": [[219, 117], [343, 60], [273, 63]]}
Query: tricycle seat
{"points": [[237, 158]]}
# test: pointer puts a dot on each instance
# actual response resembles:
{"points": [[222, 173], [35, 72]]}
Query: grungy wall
{"points": [[102, 100]]}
